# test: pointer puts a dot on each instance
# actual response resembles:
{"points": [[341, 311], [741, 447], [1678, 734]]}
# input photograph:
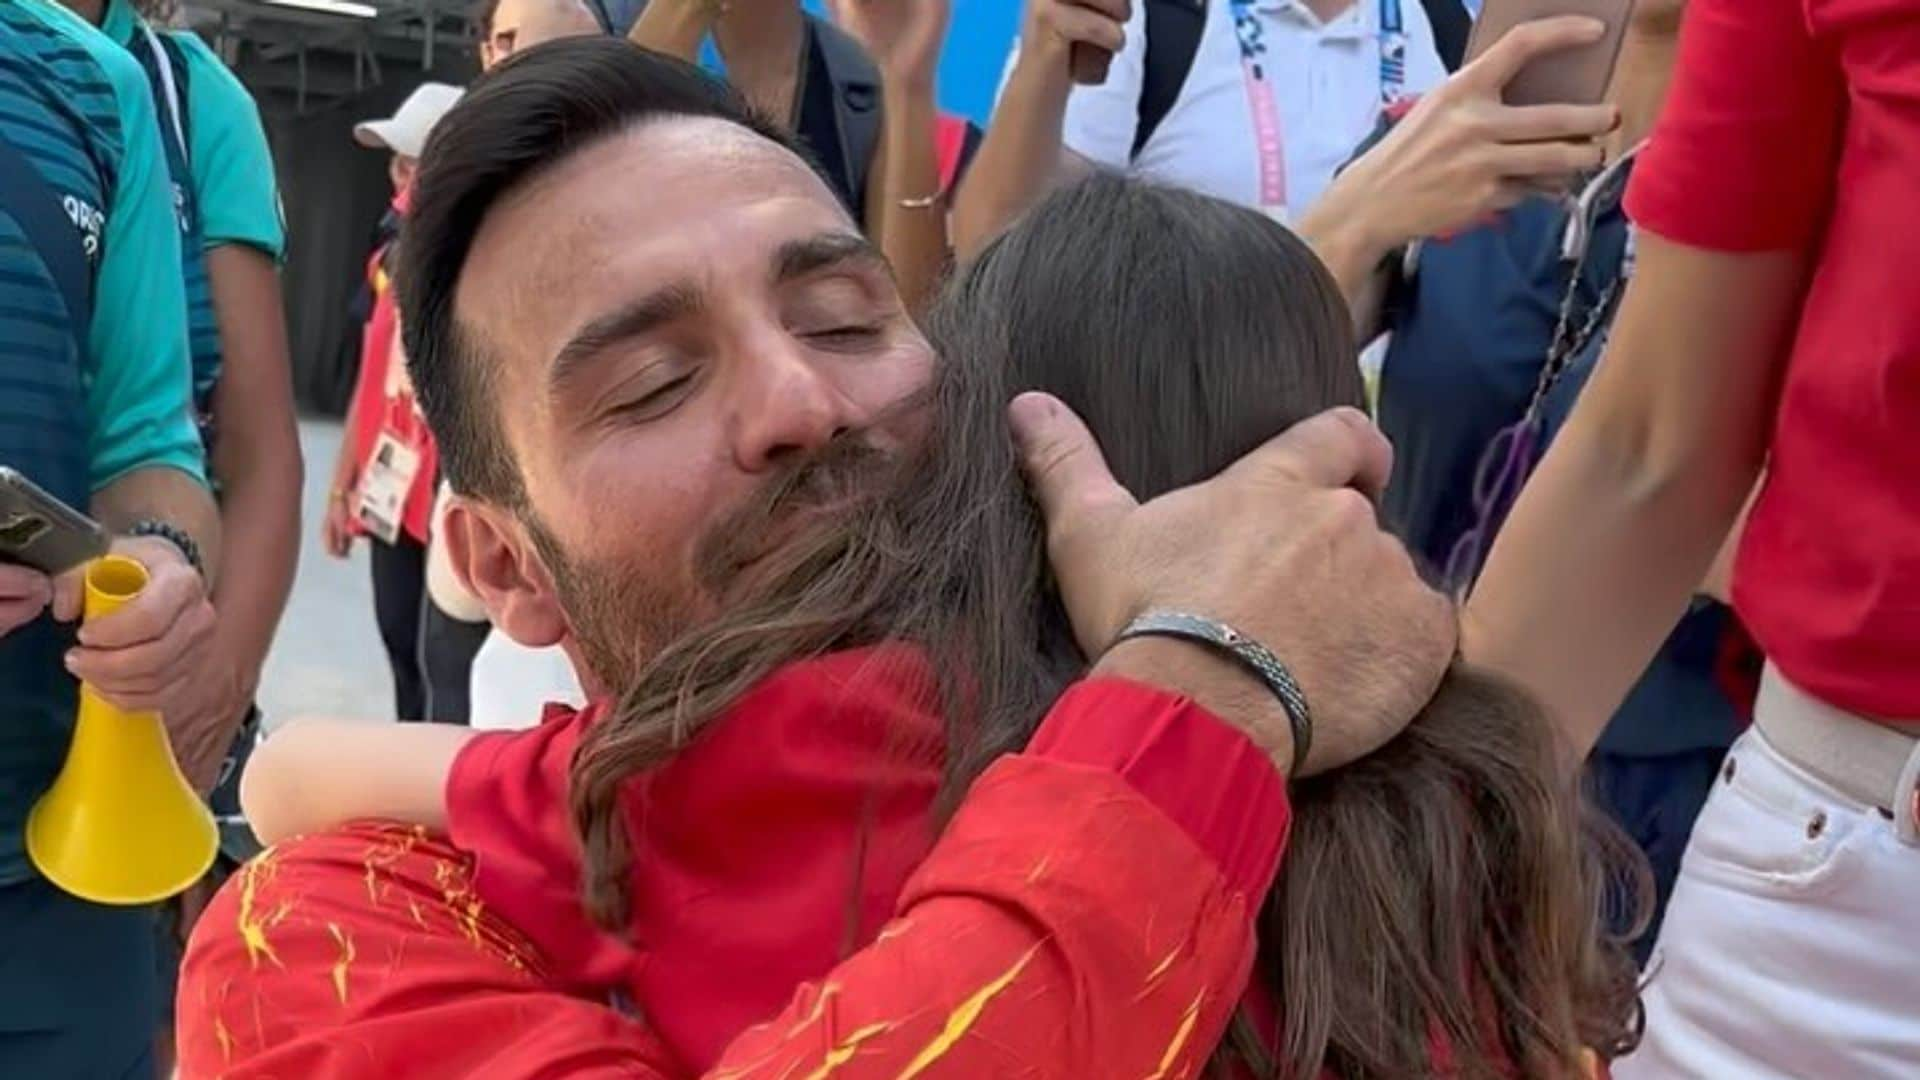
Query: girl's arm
{"points": [[315, 774]]}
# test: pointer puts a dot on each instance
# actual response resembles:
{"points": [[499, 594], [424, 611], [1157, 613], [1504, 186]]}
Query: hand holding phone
{"points": [[1462, 153], [24, 594], [41, 532], [1571, 76], [40, 539]]}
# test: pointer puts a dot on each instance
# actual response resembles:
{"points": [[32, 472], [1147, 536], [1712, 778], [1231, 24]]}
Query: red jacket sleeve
{"points": [[1086, 913]]}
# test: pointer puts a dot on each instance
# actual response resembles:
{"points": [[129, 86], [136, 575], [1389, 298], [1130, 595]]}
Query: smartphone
{"points": [[40, 531], [1577, 76]]}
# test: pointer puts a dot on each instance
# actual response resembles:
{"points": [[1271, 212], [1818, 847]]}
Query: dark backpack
{"points": [[856, 102], [1173, 38]]}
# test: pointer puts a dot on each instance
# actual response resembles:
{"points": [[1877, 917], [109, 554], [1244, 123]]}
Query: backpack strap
{"points": [[169, 67], [1173, 39], [856, 102], [26, 197]]}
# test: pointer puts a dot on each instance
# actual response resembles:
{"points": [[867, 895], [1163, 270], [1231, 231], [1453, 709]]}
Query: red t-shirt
{"points": [[1085, 913], [1795, 124], [772, 847]]}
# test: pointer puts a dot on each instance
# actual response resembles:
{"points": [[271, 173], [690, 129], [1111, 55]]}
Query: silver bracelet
{"points": [[1250, 654], [925, 203]]}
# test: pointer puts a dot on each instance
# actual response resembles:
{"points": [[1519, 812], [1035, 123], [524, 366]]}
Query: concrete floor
{"points": [[327, 659]]}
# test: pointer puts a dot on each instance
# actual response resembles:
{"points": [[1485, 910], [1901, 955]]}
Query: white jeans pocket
{"points": [[1768, 829]]}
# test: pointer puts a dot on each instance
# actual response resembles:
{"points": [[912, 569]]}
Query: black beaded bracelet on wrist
{"points": [[1245, 651], [174, 535]]}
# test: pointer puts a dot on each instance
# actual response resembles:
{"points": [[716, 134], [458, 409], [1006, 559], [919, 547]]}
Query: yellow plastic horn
{"points": [[120, 825]]}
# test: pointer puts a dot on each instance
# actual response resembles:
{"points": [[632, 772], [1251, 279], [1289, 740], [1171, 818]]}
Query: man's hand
{"points": [[142, 657], [202, 718], [1284, 546], [24, 594], [903, 36], [1057, 33], [1462, 154]]}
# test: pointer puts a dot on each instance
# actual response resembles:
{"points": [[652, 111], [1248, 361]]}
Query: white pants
{"points": [[1792, 946]]}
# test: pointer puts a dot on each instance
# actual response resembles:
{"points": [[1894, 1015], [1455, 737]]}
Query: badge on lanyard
{"points": [[1268, 140], [385, 485]]}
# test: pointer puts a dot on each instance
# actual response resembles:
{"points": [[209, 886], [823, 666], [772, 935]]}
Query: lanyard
{"points": [[1509, 458], [1269, 143]]}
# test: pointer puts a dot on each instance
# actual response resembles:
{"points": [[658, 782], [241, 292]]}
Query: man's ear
{"points": [[494, 558]]}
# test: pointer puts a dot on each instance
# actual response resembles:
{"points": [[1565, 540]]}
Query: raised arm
{"points": [[1459, 155], [676, 27], [1619, 526], [1024, 152], [906, 211]]}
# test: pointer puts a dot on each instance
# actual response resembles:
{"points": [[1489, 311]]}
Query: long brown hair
{"points": [[1450, 886]]}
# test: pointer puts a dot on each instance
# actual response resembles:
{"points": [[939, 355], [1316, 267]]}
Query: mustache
{"points": [[848, 472]]}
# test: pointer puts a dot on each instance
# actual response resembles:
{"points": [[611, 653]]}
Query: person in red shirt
{"points": [[1771, 327], [383, 476], [824, 776], [608, 377]]}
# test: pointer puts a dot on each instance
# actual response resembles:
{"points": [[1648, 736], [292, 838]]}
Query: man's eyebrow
{"points": [[798, 258], [642, 316]]}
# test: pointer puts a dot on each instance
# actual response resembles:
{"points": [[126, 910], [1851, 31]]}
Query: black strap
{"points": [[856, 102], [1173, 39], [26, 197]]}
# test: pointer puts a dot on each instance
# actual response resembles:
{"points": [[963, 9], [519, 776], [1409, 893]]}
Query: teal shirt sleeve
{"points": [[140, 390], [232, 168]]}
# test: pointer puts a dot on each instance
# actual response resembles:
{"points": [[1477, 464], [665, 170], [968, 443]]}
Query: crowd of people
{"points": [[878, 594]]}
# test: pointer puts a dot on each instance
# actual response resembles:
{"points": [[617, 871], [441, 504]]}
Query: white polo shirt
{"points": [[1326, 82]]}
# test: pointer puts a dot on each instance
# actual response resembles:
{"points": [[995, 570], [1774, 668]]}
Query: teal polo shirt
{"points": [[217, 158], [78, 107], [76, 418]]}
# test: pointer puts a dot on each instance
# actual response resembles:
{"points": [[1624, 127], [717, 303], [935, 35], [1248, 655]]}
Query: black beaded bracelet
{"points": [[1243, 649], [174, 535]]}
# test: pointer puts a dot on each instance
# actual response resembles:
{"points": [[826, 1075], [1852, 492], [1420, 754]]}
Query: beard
{"points": [[622, 612]]}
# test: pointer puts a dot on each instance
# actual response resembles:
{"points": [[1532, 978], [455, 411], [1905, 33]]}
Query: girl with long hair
{"points": [[1441, 904]]}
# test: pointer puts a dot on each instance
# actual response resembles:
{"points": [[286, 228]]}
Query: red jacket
{"points": [[375, 410], [1084, 914]]}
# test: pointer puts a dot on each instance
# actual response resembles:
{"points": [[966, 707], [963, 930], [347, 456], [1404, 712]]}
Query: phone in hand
{"points": [[1577, 76], [40, 531]]}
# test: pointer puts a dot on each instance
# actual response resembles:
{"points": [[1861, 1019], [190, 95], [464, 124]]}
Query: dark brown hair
{"points": [[1450, 886], [514, 123]]}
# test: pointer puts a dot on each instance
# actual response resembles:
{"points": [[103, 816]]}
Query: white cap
{"points": [[405, 132]]}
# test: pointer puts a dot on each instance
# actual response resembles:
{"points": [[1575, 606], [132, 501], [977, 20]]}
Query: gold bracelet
{"points": [[926, 203]]}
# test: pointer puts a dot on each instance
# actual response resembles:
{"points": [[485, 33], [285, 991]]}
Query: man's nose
{"points": [[788, 405]]}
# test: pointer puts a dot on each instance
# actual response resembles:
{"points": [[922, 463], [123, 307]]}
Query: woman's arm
{"points": [[1024, 154], [1617, 529], [1458, 156], [315, 774], [906, 211], [676, 27]]}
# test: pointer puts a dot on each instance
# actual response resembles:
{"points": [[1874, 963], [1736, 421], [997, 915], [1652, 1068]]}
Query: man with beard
{"points": [[691, 376]]}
